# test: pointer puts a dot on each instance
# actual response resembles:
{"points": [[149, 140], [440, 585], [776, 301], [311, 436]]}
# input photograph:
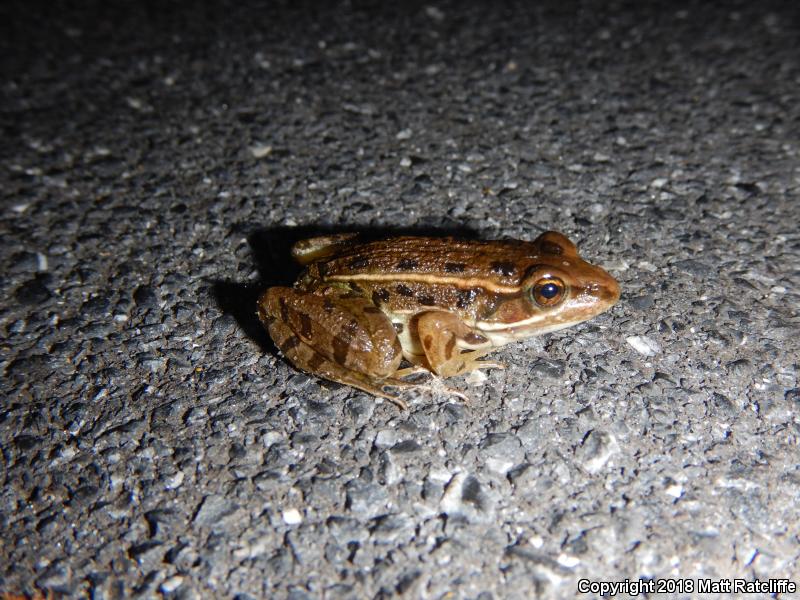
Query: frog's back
{"points": [[444, 257]]}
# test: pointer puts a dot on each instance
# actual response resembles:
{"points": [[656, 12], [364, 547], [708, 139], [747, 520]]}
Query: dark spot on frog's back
{"points": [[379, 295], [454, 267], [427, 300], [466, 297], [407, 264], [404, 290], [358, 263], [503, 267]]}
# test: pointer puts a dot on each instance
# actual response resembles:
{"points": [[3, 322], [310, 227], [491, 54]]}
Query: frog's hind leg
{"points": [[337, 335], [305, 358]]}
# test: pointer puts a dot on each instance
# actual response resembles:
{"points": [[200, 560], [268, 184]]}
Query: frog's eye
{"points": [[548, 291]]}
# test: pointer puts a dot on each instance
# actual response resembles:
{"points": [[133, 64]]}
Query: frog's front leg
{"points": [[333, 334], [450, 346]]}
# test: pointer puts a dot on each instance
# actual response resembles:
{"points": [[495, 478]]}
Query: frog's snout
{"points": [[611, 289]]}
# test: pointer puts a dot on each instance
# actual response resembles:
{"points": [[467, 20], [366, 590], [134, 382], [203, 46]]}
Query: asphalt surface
{"points": [[158, 159]]}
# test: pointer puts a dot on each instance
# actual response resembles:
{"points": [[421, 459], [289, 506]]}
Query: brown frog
{"points": [[359, 308]]}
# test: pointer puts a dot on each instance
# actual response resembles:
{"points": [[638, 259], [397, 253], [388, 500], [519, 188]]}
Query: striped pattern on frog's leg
{"points": [[334, 334], [451, 347], [305, 358]]}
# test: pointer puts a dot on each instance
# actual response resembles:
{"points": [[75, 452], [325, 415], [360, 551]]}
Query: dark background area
{"points": [[158, 159]]}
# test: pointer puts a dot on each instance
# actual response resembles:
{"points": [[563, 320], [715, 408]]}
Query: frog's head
{"points": [[558, 289]]}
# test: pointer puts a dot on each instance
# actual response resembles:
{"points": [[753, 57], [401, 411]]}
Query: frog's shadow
{"points": [[271, 251]]}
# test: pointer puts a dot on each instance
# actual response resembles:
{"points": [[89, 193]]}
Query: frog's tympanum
{"points": [[359, 308]]}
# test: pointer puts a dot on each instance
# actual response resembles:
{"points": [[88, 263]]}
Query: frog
{"points": [[441, 304]]}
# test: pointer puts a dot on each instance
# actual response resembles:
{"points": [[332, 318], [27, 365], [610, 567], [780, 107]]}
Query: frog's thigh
{"points": [[450, 346], [344, 330], [299, 353], [304, 357]]}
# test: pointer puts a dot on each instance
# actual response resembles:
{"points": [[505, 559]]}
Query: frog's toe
{"points": [[387, 389], [391, 397], [489, 364], [456, 393]]}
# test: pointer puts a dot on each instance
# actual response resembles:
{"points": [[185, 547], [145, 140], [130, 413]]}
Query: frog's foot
{"points": [[452, 392], [382, 390], [305, 358], [331, 333], [436, 384], [433, 384], [474, 365], [389, 388], [467, 363]]}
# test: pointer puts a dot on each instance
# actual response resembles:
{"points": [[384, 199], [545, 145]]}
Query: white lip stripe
{"points": [[458, 282], [501, 338], [484, 326]]}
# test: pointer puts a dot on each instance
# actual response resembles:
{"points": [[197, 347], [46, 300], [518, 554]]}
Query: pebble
{"points": [[156, 444], [145, 297], [171, 584], [643, 302], [464, 496], [596, 450], [292, 516], [548, 369], [643, 345], [212, 510], [502, 451], [365, 499], [386, 438]]}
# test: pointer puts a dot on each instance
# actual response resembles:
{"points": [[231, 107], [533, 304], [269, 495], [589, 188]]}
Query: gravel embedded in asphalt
{"points": [[158, 160]]}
